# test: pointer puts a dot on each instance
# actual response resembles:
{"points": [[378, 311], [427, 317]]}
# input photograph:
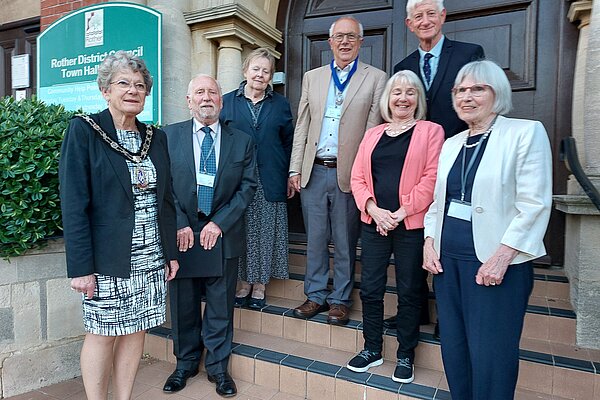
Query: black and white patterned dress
{"points": [[122, 306]]}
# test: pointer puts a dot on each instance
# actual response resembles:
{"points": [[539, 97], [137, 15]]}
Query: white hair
{"points": [[411, 4], [189, 90], [351, 18], [489, 73]]}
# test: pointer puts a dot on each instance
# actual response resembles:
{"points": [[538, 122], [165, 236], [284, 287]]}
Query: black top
{"points": [[457, 234], [387, 161]]}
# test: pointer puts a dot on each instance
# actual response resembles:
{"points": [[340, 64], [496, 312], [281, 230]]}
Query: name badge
{"points": [[205, 179], [460, 209], [333, 112]]}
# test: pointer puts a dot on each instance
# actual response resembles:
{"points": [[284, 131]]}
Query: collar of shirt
{"points": [[435, 52], [214, 129], [240, 90], [196, 142], [343, 72]]}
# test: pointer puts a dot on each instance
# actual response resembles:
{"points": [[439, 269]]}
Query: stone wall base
{"points": [[25, 371]]}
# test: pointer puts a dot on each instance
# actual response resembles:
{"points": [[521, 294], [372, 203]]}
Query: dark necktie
{"points": [[427, 67], [208, 165]]}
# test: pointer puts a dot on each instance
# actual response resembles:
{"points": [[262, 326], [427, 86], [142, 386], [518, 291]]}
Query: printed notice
{"points": [[20, 71]]}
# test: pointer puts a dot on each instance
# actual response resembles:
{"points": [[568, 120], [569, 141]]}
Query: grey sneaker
{"points": [[404, 372], [365, 360]]}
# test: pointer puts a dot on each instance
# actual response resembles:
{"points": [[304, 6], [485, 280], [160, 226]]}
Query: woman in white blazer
{"points": [[486, 224]]}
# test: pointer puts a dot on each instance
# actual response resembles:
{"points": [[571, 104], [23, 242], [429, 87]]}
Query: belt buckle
{"points": [[329, 163]]}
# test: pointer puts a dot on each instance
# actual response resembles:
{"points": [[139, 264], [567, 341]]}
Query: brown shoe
{"points": [[339, 314], [309, 309]]}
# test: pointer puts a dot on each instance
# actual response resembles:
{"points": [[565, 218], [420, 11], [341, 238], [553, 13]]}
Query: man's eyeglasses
{"points": [[125, 85], [476, 90], [339, 37]]}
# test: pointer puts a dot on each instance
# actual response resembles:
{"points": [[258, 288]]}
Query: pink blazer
{"points": [[418, 174]]}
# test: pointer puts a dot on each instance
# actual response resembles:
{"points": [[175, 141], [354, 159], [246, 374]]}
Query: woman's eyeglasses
{"points": [[125, 85], [476, 90]]}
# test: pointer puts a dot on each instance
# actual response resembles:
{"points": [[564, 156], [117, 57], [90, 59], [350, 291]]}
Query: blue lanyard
{"points": [[464, 174], [336, 80]]}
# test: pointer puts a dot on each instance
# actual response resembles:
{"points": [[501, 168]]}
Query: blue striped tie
{"points": [[208, 165]]}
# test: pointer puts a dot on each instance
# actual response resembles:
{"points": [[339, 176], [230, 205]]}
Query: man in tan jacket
{"points": [[339, 102]]}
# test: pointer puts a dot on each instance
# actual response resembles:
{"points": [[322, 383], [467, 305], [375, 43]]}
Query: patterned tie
{"points": [[208, 165], [427, 67]]}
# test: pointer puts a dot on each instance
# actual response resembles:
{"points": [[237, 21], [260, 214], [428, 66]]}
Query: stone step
{"points": [[314, 372], [546, 319], [549, 283], [278, 321]]}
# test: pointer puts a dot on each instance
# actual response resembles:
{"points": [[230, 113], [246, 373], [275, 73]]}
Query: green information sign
{"points": [[69, 51]]}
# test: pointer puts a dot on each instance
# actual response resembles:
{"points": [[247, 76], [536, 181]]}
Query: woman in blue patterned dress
{"points": [[265, 115], [119, 226]]}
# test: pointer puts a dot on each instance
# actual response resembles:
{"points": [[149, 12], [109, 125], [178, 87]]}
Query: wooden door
{"points": [[531, 40]]}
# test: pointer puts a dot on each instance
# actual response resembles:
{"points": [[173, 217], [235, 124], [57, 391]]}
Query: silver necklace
{"points": [[403, 128]]}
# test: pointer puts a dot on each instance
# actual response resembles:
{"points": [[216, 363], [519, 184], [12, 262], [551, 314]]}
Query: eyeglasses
{"points": [[339, 37], [476, 90], [125, 85]]}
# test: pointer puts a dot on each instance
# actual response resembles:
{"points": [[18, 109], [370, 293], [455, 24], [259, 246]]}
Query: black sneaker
{"points": [[404, 372], [365, 360]]}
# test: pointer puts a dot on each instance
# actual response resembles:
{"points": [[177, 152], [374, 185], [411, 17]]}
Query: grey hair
{"points": [[351, 18], [189, 90], [119, 61], [410, 78], [261, 52], [411, 4], [489, 73]]}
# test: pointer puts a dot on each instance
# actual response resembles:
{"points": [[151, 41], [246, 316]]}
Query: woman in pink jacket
{"points": [[392, 181]]}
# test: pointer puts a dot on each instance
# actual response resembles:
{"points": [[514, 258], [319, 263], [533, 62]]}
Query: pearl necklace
{"points": [[403, 128]]}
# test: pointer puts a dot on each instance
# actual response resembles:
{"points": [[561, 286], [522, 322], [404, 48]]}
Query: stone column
{"points": [[580, 11], [592, 98], [176, 58], [229, 64], [582, 233]]}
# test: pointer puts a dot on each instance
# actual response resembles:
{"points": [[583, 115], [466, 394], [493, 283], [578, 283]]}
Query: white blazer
{"points": [[512, 190]]}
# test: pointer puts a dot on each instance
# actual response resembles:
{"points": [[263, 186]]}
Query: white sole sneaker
{"points": [[364, 369], [407, 380]]}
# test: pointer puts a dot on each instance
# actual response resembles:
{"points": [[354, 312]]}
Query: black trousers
{"points": [[192, 331], [407, 246]]}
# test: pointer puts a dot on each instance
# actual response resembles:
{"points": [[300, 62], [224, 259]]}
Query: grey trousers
{"points": [[329, 214]]}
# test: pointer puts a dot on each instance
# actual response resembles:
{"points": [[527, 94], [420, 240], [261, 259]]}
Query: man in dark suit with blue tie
{"points": [[437, 62], [213, 170]]}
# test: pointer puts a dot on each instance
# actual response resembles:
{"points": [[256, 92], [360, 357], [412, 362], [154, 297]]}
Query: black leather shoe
{"points": [[390, 323], [224, 384], [257, 304], [178, 379]]}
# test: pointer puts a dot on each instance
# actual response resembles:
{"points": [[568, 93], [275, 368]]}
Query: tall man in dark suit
{"points": [[437, 62], [214, 180]]}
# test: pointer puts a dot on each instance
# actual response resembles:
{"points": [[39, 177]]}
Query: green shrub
{"points": [[31, 133]]}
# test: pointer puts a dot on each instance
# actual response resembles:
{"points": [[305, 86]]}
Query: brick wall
{"points": [[51, 10]]}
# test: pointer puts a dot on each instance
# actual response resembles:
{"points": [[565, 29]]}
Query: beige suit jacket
{"points": [[360, 112]]}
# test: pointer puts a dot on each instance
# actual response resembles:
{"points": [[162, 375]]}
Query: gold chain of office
{"points": [[117, 147]]}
